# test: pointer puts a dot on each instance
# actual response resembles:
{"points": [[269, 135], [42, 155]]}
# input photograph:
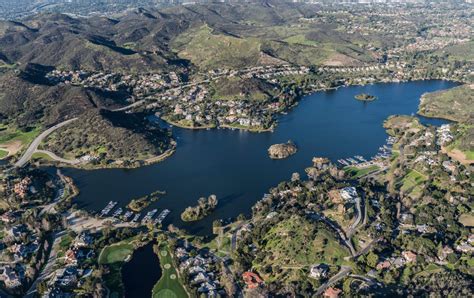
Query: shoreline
{"points": [[170, 151], [146, 162], [225, 126]]}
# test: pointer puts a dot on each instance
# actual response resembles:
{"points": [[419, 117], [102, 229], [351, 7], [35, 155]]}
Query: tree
{"points": [[42, 287], [372, 260]]}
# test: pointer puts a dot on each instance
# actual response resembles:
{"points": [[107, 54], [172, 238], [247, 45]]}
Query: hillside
{"points": [[453, 104], [25, 99], [110, 137], [209, 35]]}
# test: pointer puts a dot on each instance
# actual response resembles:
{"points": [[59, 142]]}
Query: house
{"points": [[318, 271], [207, 287], [200, 278], [195, 270], [181, 253], [66, 277], [10, 277], [348, 193], [252, 280], [83, 240], [17, 231], [244, 122], [70, 257], [332, 292], [409, 256], [383, 265], [8, 217]]}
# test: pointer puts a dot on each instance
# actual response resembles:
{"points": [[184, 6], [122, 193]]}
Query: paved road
{"points": [[135, 104], [48, 269], [60, 159], [34, 145], [233, 240], [354, 225], [345, 270]]}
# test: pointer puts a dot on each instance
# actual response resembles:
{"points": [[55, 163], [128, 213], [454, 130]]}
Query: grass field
{"points": [[25, 137], [3, 153], [39, 155], [412, 179], [115, 253], [359, 172], [169, 285], [208, 50]]}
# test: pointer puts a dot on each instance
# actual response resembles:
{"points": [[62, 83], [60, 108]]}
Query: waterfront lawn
{"points": [[355, 172], [3, 153], [169, 285], [115, 253]]}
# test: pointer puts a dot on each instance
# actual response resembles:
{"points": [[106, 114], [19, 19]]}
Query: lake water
{"points": [[235, 166], [141, 273]]}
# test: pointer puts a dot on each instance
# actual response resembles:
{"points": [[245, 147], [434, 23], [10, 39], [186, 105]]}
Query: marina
{"points": [[117, 214], [162, 216], [108, 208]]}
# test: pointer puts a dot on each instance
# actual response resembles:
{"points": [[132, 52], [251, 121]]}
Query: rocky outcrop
{"points": [[280, 151]]}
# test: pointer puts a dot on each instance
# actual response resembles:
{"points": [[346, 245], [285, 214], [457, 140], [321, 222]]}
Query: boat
{"points": [[149, 215], [162, 216], [117, 212], [136, 217], [127, 215], [108, 208], [352, 161]]}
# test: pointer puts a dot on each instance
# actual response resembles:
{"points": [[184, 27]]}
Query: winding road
{"points": [[57, 158], [34, 145], [345, 270], [354, 225]]}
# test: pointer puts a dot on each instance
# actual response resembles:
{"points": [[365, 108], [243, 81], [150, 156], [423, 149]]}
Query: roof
{"points": [[252, 280], [332, 292]]}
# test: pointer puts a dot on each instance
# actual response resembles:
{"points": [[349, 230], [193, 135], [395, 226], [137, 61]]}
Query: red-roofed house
{"points": [[332, 292]]}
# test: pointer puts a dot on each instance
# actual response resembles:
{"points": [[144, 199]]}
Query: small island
{"points": [[141, 203], [281, 151], [365, 97], [203, 209]]}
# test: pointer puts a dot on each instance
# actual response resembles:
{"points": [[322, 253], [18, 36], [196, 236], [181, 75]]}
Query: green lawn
{"points": [[39, 155], [357, 173], [65, 242], [25, 137], [412, 179], [115, 253], [3, 153], [169, 285]]}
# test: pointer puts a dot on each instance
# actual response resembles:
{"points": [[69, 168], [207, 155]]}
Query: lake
{"points": [[234, 164]]}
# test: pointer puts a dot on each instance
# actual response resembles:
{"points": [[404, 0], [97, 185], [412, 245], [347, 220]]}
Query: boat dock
{"points": [[163, 214], [149, 216], [108, 208]]}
